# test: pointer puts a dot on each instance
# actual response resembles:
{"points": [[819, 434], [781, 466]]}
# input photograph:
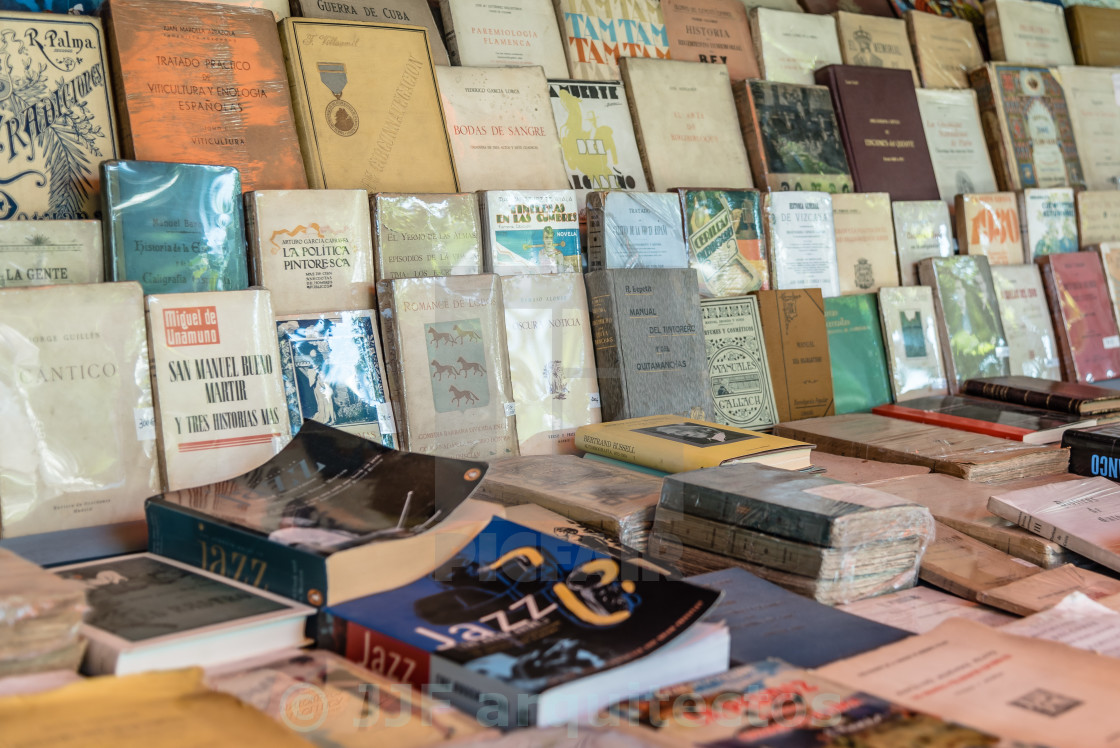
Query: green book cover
{"points": [[855, 344]]}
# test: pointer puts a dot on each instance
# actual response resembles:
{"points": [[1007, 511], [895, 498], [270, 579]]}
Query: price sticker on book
{"points": [[385, 420], [145, 423], [593, 400], [511, 409], [1003, 351], [1112, 341]]}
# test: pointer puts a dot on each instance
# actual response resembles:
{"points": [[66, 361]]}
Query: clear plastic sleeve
{"points": [[801, 238], [530, 231], [921, 229], [945, 48], [956, 143], [634, 230], [791, 46], [1049, 221], [865, 251], [44, 253], [875, 41], [726, 240], [426, 235], [1027, 322], [40, 615], [1028, 33], [1098, 216]]}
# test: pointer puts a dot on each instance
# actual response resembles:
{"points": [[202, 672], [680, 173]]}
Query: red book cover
{"points": [[1088, 339], [385, 655], [960, 423]]}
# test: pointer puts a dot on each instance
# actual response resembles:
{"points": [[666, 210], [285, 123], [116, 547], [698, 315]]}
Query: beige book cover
{"points": [[504, 33], [988, 224], [598, 32], [1098, 217], [501, 128], [1110, 259], [46, 253], [1094, 112], [1046, 589], [313, 249], [220, 404], [367, 106], [921, 609], [1049, 218], [966, 567], [445, 358], [922, 228], [945, 48], [910, 337], [1079, 621], [426, 235], [865, 252], [405, 12], [791, 46], [1027, 32], [686, 124], [875, 41], [951, 122], [78, 444], [802, 241], [711, 31], [1027, 322], [551, 360]]}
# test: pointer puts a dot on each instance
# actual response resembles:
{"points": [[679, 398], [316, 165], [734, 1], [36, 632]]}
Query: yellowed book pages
{"points": [[1098, 217], [1078, 621], [1048, 588], [945, 48], [875, 41], [988, 225], [865, 252], [485, 33], [921, 609], [965, 567]]}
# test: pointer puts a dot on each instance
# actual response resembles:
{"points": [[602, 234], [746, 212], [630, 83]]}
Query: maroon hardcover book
{"points": [[1088, 340], [881, 126], [867, 7]]}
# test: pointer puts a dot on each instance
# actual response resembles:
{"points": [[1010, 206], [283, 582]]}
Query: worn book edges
{"points": [[801, 238], [881, 127], [530, 231], [1068, 397], [990, 225], [1098, 216], [482, 34], [45, 253], [634, 230], [1027, 33], [737, 365], [991, 417], [726, 240], [173, 228], [599, 33], [52, 159], [1095, 116], [796, 338], [426, 235], [204, 83], [965, 567], [855, 346], [922, 229], [711, 31], [551, 360], [944, 48], [1031, 343], [220, 404], [877, 42], [685, 122], [79, 431], [792, 137], [1088, 338], [955, 137], [865, 251], [42, 616], [913, 350], [1046, 589], [1049, 221], [447, 367], [405, 12], [791, 46], [367, 108], [313, 249]]}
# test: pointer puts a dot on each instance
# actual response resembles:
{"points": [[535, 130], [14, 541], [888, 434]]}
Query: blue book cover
{"points": [[174, 228]]}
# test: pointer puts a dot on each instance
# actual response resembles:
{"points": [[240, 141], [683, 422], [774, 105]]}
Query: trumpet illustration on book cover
{"points": [[341, 115]]}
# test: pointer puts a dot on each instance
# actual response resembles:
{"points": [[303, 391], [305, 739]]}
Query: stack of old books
{"points": [[40, 616]]}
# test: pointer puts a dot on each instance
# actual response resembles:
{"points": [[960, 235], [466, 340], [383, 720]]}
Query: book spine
{"points": [[1004, 393], [209, 544], [391, 350], [485, 232], [639, 134], [111, 237], [605, 339], [450, 39], [927, 276], [1061, 328], [124, 121], [736, 510], [596, 231], [305, 129], [249, 200], [752, 134], [991, 117], [1091, 454], [1033, 524], [385, 655]]}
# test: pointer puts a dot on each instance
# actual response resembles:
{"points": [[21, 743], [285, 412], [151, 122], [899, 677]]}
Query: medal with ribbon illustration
{"points": [[341, 115]]}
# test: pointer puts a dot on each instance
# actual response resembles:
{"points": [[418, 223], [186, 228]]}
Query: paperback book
{"points": [[955, 137], [1094, 114], [921, 229], [801, 238], [878, 42], [483, 34], [1031, 343], [47, 253], [865, 251], [737, 365], [1085, 322], [1098, 216], [416, 236], [855, 345], [796, 337], [990, 225], [913, 350], [711, 31], [726, 240], [945, 49], [530, 231], [593, 32], [1027, 33], [634, 230], [791, 46], [1049, 221]]}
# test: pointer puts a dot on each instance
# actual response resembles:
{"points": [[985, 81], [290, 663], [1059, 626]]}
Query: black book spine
{"points": [[605, 340], [1091, 454], [992, 391]]}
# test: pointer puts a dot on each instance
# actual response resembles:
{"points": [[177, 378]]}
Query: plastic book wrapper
{"points": [[407, 12], [1048, 588], [875, 41], [44, 253], [590, 31], [1078, 620], [483, 34], [634, 230], [792, 46], [951, 122], [1027, 33], [726, 240], [945, 48], [912, 346], [865, 251], [922, 229], [1098, 216], [1095, 115], [1049, 221], [855, 347], [921, 609], [426, 235], [856, 470], [789, 6], [1110, 260], [40, 616], [989, 224], [966, 567], [711, 31], [1027, 322], [530, 231], [802, 241], [737, 364], [1085, 320], [78, 446]]}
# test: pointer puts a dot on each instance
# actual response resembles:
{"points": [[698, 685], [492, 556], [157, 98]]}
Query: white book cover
{"points": [[1094, 111], [635, 230], [951, 121], [44, 253], [1028, 32], [802, 241], [504, 33], [922, 228], [792, 46], [1049, 219], [1027, 322], [910, 336], [921, 609], [530, 231]]}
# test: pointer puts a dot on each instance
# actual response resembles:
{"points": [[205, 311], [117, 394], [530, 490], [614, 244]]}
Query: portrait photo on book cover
{"points": [[696, 434]]}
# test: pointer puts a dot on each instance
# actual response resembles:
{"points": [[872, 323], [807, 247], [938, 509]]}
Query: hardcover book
{"points": [[424, 235], [485, 35], [726, 240], [802, 241], [406, 12], [1068, 397], [1095, 116], [46, 253], [991, 417], [551, 360], [173, 228], [501, 129], [448, 373], [1094, 451], [877, 42], [599, 33], [1098, 216], [204, 83], [1026, 322], [796, 337], [955, 137], [648, 334], [367, 107], [313, 249], [881, 127], [530, 231], [792, 137], [737, 365], [855, 347], [1028, 33], [791, 46], [968, 321], [990, 225], [1049, 221], [51, 170], [1027, 125], [913, 351], [634, 230], [711, 31], [922, 229], [1091, 34], [684, 119], [945, 48], [220, 403], [79, 437], [1085, 323], [865, 251]]}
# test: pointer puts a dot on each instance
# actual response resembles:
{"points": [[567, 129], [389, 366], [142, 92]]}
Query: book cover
{"points": [[802, 241], [792, 137], [367, 106], [791, 46], [726, 240], [737, 365], [1029, 33], [1084, 320], [1091, 33], [982, 416], [634, 230], [1098, 216], [530, 231], [956, 142], [173, 228], [685, 122], [865, 253], [1049, 221], [796, 337], [881, 8], [922, 229], [945, 48], [648, 333], [220, 404], [551, 360], [501, 129], [712, 31], [598, 33], [447, 366], [965, 567], [405, 12], [990, 225], [913, 351], [79, 432], [875, 41], [881, 127], [313, 249], [921, 609], [1094, 115], [1068, 397], [52, 158], [855, 346], [204, 83], [426, 235], [486, 34], [46, 253], [1094, 451], [1026, 322], [1110, 261], [1047, 590]]}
